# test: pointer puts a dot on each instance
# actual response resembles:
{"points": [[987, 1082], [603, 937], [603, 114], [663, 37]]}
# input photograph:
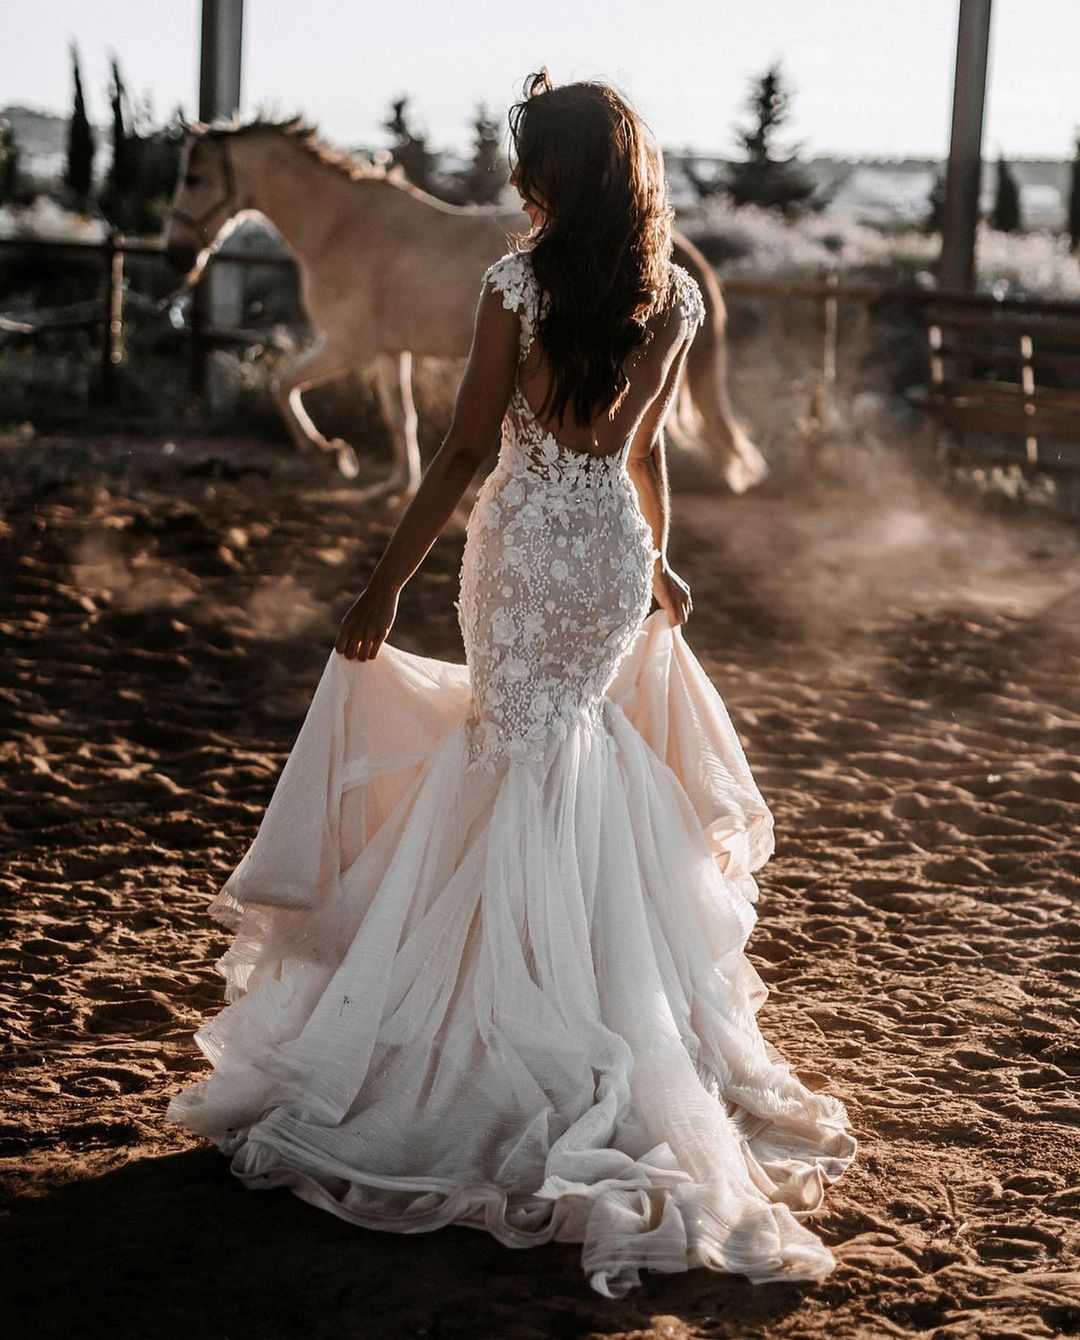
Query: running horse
{"points": [[389, 273]]}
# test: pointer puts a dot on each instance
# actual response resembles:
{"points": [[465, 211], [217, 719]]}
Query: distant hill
{"points": [[896, 189], [42, 141]]}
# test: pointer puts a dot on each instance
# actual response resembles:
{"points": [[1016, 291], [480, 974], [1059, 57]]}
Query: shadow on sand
{"points": [[176, 1246]]}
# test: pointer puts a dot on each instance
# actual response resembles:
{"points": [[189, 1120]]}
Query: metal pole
{"points": [[956, 267], [116, 300], [219, 304], [197, 366], [828, 330], [219, 65]]}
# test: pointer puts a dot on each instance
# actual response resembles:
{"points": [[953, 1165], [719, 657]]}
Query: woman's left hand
{"points": [[366, 624], [671, 593]]}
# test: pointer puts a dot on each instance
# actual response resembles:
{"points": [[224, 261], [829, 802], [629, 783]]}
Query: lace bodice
{"points": [[512, 276], [557, 570]]}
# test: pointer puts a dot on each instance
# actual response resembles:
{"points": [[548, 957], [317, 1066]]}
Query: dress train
{"points": [[516, 997]]}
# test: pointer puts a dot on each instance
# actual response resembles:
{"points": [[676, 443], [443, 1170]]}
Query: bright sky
{"points": [[870, 76]]}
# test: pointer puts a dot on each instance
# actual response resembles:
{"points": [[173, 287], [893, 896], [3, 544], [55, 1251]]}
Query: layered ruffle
{"points": [[518, 1000]]}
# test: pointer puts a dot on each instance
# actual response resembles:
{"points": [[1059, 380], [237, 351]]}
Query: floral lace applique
{"points": [[688, 295], [555, 578], [512, 276]]}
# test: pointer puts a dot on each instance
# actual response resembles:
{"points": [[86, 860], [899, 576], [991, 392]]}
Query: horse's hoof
{"points": [[347, 460]]}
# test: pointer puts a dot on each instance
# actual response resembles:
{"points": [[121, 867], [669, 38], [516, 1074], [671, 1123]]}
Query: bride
{"points": [[488, 959]]}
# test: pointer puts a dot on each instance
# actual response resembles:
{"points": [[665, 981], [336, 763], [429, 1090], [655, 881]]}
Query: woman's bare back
{"points": [[647, 371]]}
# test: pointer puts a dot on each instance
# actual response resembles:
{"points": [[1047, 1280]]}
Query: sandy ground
{"points": [[904, 668]]}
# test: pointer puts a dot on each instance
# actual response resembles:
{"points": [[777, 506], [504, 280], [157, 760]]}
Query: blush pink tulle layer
{"points": [[518, 1000]]}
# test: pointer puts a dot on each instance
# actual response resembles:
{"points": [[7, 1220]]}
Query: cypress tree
{"points": [[9, 163], [484, 180], [120, 170], [120, 199], [78, 175], [1005, 216]]}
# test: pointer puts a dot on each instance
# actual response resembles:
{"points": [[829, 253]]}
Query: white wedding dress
{"points": [[488, 959]]}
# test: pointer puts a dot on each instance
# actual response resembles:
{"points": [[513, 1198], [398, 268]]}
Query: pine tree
{"points": [[9, 163], [1074, 201], [764, 178], [409, 149], [79, 173], [1005, 216], [485, 179]]}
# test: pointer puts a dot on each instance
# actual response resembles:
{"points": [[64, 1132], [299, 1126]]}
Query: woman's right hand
{"points": [[671, 592], [367, 622]]}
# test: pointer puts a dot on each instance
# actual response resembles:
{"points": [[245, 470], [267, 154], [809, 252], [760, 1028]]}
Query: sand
{"points": [[904, 669]]}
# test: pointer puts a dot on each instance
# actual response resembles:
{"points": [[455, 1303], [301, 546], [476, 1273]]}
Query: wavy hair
{"points": [[602, 249]]}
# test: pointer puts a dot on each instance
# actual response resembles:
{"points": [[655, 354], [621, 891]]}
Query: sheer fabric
{"points": [[488, 964]]}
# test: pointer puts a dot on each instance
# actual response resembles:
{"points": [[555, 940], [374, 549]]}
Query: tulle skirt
{"points": [[517, 999]]}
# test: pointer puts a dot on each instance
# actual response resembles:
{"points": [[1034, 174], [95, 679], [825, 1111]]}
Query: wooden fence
{"points": [[107, 313], [825, 292]]}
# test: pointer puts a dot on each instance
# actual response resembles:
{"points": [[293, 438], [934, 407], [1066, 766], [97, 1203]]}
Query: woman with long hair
{"points": [[488, 966]]}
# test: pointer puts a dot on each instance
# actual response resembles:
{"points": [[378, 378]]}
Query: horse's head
{"points": [[207, 194]]}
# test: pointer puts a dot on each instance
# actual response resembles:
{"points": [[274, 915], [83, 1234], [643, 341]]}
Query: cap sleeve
{"points": [[511, 276], [688, 296]]}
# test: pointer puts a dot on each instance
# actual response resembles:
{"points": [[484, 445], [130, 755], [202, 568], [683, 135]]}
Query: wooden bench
{"points": [[1007, 375]]}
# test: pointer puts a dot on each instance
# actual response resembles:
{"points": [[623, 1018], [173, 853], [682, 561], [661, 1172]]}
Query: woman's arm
{"points": [[649, 474], [482, 398], [647, 466]]}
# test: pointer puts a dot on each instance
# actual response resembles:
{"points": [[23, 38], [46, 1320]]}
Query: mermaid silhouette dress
{"points": [[488, 960]]}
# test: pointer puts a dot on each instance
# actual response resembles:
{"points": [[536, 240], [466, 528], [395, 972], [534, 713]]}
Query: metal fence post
{"points": [[197, 364], [112, 337]]}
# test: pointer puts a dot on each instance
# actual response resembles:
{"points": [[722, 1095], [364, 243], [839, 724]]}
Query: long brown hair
{"points": [[602, 249]]}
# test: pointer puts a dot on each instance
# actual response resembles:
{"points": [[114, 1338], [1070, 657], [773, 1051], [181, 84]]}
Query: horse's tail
{"points": [[703, 419]]}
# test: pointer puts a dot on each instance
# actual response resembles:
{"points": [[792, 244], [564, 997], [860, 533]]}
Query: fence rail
{"points": [[107, 312], [825, 291]]}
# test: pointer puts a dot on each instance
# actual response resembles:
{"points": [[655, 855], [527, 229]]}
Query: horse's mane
{"points": [[306, 136]]}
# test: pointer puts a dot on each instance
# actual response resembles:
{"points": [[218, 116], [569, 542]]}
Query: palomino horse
{"points": [[388, 273]]}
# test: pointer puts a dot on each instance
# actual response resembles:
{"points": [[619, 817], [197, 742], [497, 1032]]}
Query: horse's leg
{"points": [[684, 421], [312, 368], [393, 387], [705, 384], [409, 424]]}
